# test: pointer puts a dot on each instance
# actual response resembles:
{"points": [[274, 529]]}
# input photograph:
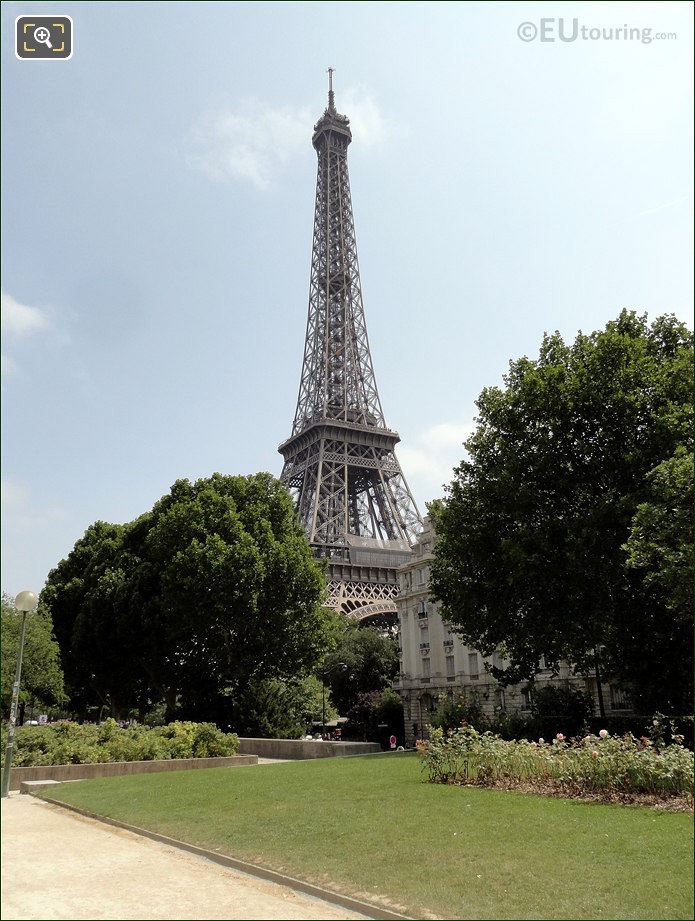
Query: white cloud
{"points": [[20, 319], [248, 143], [369, 127], [23, 513], [667, 204], [13, 495], [251, 142], [429, 458]]}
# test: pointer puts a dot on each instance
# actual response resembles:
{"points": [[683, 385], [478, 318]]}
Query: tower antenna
{"points": [[331, 97]]}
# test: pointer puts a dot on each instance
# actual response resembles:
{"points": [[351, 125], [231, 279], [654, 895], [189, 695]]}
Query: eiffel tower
{"points": [[340, 465]]}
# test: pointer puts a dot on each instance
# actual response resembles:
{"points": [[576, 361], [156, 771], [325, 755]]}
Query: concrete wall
{"points": [[297, 750], [118, 768]]}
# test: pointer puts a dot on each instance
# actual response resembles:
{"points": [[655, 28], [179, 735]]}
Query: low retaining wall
{"points": [[298, 750], [118, 768]]}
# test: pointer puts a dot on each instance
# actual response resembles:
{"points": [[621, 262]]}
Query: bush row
{"points": [[557, 710], [72, 743], [593, 764]]}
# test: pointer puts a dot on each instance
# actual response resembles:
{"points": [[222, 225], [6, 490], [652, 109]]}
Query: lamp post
{"points": [[26, 602]]}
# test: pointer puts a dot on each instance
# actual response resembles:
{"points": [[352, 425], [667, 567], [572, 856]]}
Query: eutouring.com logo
{"points": [[570, 30]]}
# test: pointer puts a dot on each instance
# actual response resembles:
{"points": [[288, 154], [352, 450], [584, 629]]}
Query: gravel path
{"points": [[56, 864]]}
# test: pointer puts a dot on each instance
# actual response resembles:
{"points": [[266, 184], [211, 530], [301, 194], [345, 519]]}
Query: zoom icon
{"points": [[43, 38]]}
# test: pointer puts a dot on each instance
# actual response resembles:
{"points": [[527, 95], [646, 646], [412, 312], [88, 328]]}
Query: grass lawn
{"points": [[370, 827]]}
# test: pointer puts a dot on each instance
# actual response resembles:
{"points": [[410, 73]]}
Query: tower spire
{"points": [[331, 96], [340, 462]]}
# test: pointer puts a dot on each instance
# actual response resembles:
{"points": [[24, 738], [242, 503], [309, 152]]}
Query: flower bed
{"points": [[596, 764], [72, 743]]}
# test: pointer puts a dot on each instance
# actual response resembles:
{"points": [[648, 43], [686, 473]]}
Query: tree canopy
{"points": [[42, 675], [530, 554], [282, 708], [364, 660], [212, 588], [660, 562]]}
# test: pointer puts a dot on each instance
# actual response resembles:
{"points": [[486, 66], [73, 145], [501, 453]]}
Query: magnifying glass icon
{"points": [[43, 36]]}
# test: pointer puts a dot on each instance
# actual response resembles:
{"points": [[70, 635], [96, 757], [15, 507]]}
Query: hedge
{"points": [[72, 743]]}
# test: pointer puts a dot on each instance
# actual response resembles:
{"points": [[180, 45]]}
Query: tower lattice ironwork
{"points": [[340, 463]]}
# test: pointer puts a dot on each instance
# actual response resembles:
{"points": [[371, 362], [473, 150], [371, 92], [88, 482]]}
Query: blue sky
{"points": [[158, 206]]}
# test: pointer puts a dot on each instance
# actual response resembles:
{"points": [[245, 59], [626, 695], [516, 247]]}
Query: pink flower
{"points": [[603, 733], [594, 754], [560, 737]]}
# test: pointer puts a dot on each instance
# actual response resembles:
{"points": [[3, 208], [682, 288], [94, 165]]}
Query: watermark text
{"points": [[571, 30]]}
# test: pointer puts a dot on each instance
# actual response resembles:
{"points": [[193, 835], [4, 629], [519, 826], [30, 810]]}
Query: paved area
{"points": [[56, 864]]}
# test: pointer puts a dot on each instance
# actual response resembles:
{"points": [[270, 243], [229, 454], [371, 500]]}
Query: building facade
{"points": [[435, 663]]}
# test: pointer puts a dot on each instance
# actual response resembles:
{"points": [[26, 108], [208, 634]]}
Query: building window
{"points": [[473, 666], [526, 698], [619, 699], [424, 634], [450, 673], [426, 670], [422, 609], [499, 698], [422, 576]]}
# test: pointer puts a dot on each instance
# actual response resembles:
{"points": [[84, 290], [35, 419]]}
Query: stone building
{"points": [[435, 663]]}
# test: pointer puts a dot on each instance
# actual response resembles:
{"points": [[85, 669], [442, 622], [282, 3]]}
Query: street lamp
{"points": [[26, 602]]}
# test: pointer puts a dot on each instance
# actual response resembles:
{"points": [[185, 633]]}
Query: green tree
{"points": [[42, 675], [363, 660], [89, 596], [529, 553], [281, 708], [228, 586], [660, 543], [212, 590], [375, 715], [660, 560]]}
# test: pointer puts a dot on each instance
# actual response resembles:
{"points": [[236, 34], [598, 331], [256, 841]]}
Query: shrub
{"points": [[560, 709], [593, 764], [71, 743], [375, 716], [453, 711]]}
